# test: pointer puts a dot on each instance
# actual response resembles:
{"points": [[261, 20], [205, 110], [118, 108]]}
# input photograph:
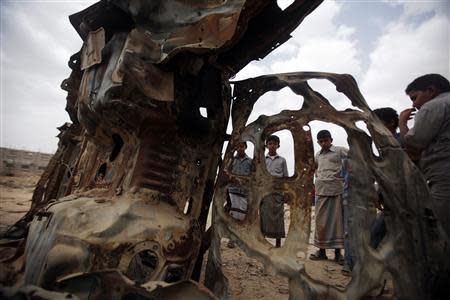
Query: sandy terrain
{"points": [[247, 278], [15, 196]]}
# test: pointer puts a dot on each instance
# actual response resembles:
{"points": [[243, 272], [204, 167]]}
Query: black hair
{"points": [[387, 115], [273, 138], [323, 134], [423, 82]]}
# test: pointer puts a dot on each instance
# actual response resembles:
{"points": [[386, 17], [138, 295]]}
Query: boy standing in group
{"points": [[389, 117], [242, 166], [272, 206], [329, 233]]}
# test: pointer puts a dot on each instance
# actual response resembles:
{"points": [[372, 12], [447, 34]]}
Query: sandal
{"points": [[339, 259], [318, 256], [346, 271]]}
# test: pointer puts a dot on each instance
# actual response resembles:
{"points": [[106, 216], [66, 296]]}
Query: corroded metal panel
{"points": [[91, 53]]}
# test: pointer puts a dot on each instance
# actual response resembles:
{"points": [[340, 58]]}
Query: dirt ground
{"points": [[15, 195], [247, 278]]}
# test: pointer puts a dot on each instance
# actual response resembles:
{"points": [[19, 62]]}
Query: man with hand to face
{"points": [[430, 95]]}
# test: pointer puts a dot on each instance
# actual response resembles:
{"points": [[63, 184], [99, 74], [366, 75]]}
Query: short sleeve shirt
{"points": [[431, 133], [276, 166], [329, 181], [241, 167]]}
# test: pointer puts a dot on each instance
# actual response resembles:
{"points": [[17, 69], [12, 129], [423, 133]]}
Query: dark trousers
{"points": [[378, 231]]}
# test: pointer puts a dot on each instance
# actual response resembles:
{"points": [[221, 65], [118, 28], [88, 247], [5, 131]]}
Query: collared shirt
{"points": [[276, 166], [329, 181], [431, 133], [241, 167]]}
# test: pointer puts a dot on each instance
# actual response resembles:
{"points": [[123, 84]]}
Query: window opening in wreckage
{"points": [[240, 166], [117, 146], [142, 266], [101, 172], [274, 209]]}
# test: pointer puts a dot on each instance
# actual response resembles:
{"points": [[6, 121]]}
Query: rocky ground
{"points": [[247, 278]]}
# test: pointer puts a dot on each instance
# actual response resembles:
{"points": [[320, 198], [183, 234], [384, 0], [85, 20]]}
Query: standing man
{"points": [[272, 206], [430, 95], [242, 166], [389, 117], [329, 233]]}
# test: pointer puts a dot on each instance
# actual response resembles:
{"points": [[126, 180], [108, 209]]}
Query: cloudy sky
{"points": [[383, 44]]}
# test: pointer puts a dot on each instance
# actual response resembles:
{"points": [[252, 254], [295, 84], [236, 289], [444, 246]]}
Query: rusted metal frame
{"points": [[66, 139], [394, 255], [409, 207], [262, 37], [71, 85], [205, 205], [71, 184], [318, 108], [90, 165], [101, 14], [196, 28], [262, 126], [93, 104], [71, 146], [222, 116]]}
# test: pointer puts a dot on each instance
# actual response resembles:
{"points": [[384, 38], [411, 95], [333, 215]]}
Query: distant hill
{"points": [[22, 159]]}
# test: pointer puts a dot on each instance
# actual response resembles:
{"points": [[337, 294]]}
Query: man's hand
{"points": [[406, 115]]}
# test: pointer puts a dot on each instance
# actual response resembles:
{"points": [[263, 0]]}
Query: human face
{"points": [[241, 149], [419, 98], [325, 143], [272, 146]]}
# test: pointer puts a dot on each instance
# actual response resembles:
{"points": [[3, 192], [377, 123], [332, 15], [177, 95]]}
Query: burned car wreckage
{"points": [[121, 210]]}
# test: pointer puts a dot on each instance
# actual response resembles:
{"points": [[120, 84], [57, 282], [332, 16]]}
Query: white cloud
{"points": [[251, 70], [315, 45], [318, 44], [416, 8], [320, 23], [37, 41], [404, 52], [417, 42], [321, 54]]}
